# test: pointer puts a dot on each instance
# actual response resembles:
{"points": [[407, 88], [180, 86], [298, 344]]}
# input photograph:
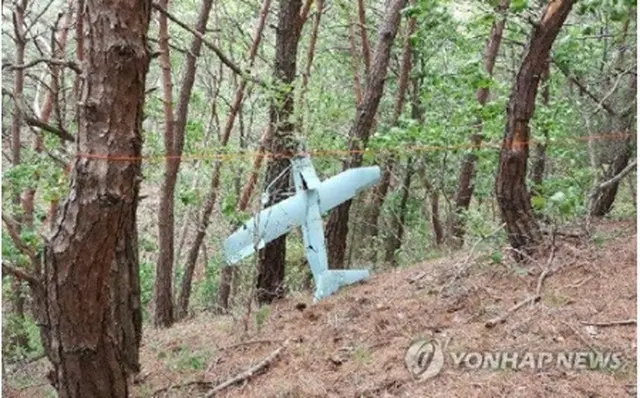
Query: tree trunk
{"points": [[397, 223], [338, 224], [355, 64], [271, 264], [372, 213], [163, 312], [540, 158], [18, 299], [602, 203], [364, 38], [467, 171], [212, 194], [93, 320], [511, 191]]}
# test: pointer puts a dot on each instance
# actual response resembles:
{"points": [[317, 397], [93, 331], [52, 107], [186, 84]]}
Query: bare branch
{"points": [[225, 60], [60, 132], [21, 245], [51, 61], [20, 274], [584, 89], [618, 177]]}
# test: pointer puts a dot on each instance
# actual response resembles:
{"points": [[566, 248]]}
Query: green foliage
{"points": [[147, 277]]}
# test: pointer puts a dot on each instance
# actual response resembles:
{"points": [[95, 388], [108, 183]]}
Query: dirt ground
{"points": [[353, 344]]}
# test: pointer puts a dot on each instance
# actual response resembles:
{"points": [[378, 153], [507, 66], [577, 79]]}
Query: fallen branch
{"points": [[610, 323], [503, 318], [581, 337], [247, 373]]}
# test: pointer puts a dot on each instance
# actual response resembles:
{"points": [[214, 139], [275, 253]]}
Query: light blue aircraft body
{"points": [[312, 199]]}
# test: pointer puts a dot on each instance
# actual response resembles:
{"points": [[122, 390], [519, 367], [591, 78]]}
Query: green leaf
{"points": [[518, 6], [538, 202]]}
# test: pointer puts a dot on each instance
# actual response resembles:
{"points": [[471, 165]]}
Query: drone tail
{"points": [[331, 280]]}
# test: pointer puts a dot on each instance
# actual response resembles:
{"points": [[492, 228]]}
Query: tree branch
{"points": [[584, 89], [36, 122], [20, 274], [61, 133], [51, 61], [225, 60], [618, 177], [21, 245]]}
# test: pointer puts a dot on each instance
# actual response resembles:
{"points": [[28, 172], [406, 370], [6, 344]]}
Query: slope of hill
{"points": [[354, 343]]}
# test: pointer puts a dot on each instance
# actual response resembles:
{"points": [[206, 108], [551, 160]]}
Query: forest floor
{"points": [[353, 344]]}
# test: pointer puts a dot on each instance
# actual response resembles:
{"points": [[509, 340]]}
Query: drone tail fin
{"points": [[331, 280]]}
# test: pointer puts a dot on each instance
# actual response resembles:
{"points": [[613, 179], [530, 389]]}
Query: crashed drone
{"points": [[313, 198]]}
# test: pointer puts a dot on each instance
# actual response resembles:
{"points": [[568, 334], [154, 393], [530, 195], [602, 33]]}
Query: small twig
{"points": [[547, 269], [580, 283], [247, 374], [611, 323], [466, 263], [250, 342], [580, 336], [502, 318], [417, 277]]}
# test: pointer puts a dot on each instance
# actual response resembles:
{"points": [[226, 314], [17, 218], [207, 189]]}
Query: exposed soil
{"points": [[353, 344]]}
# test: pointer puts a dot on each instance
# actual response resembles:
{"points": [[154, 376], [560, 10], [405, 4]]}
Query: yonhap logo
{"points": [[425, 359]]}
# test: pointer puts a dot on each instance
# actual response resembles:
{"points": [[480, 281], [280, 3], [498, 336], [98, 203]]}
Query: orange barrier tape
{"points": [[339, 152]]}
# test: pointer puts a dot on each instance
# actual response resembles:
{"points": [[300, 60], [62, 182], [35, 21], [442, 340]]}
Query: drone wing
{"points": [[280, 219], [269, 224], [346, 185]]}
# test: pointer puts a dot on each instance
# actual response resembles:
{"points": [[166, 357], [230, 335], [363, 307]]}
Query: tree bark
{"points": [[364, 38], [93, 322], [212, 194], [338, 224], [467, 171], [511, 191], [163, 312], [372, 213], [540, 158], [355, 65], [397, 223], [18, 299], [603, 200], [271, 264]]}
